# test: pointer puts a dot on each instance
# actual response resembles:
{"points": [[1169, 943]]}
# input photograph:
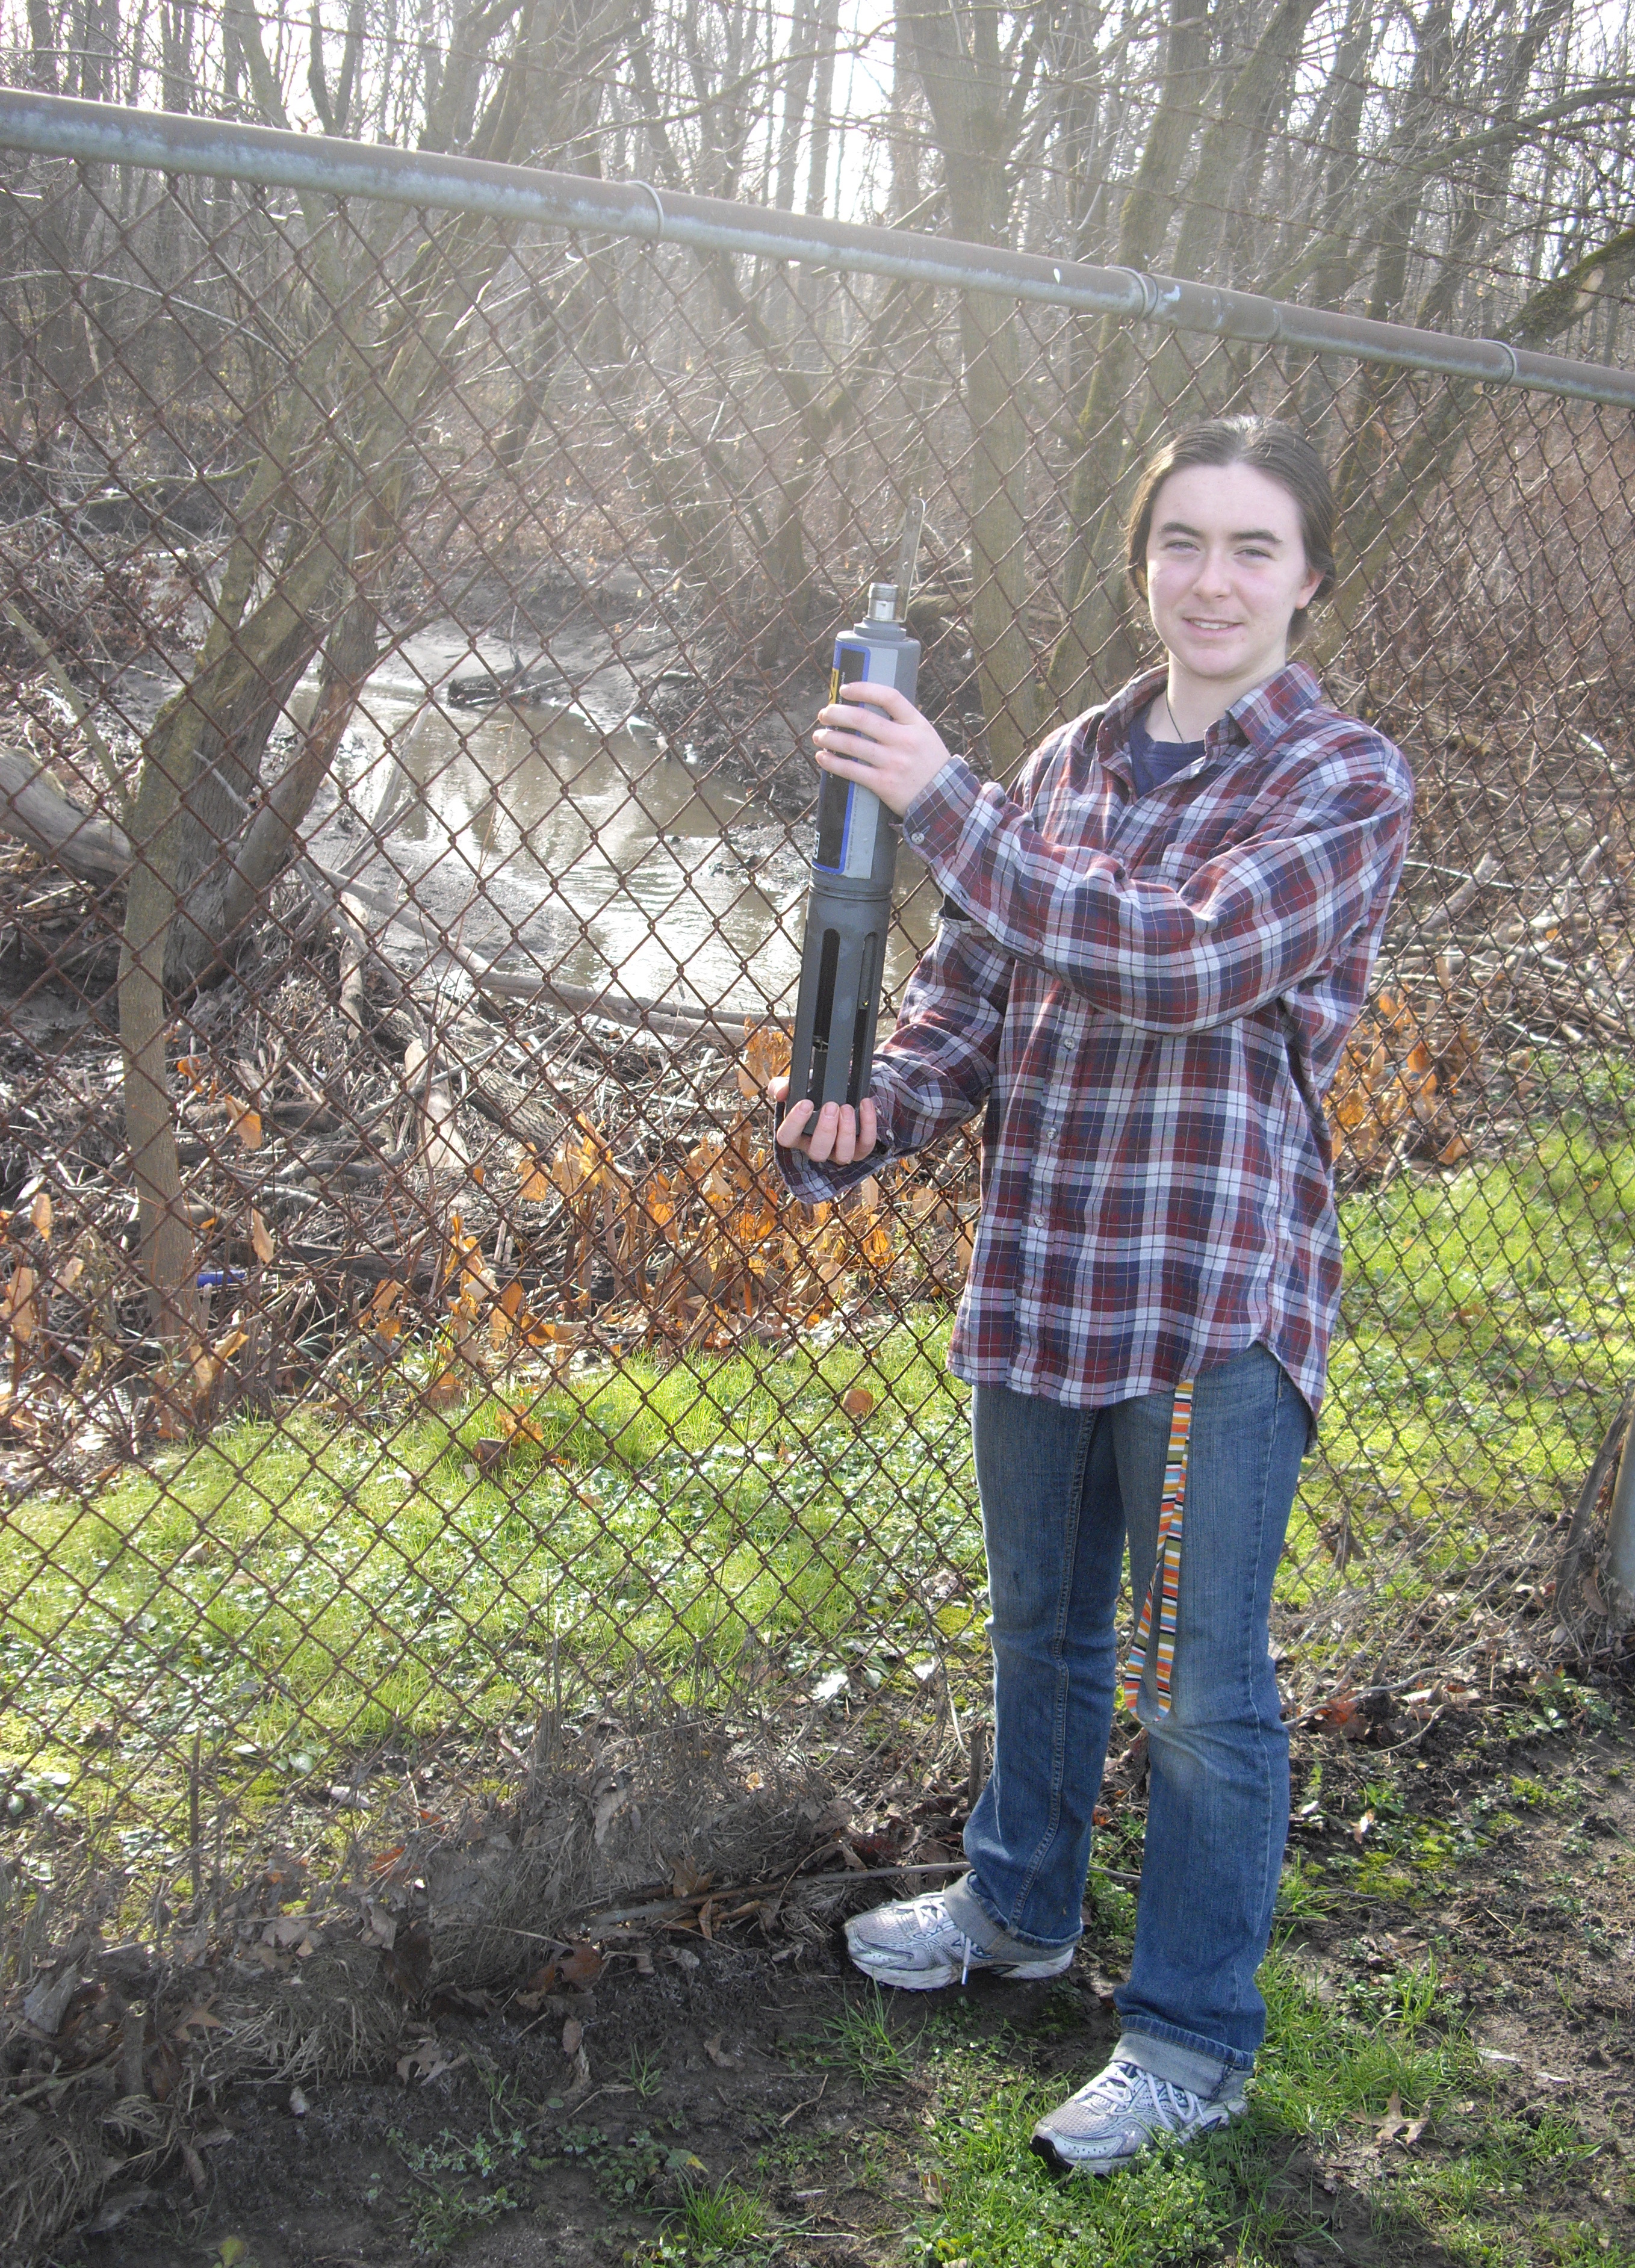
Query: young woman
{"points": [[1149, 956]]}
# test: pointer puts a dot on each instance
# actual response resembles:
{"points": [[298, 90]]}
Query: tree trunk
{"points": [[1097, 650], [957, 56]]}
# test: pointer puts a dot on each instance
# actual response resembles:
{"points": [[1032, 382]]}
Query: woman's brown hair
{"points": [[1279, 451]]}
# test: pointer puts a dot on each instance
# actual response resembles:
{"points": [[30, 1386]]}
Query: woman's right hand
{"points": [[836, 1136]]}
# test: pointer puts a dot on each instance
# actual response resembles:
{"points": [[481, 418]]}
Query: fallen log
{"points": [[35, 810], [720, 1029]]}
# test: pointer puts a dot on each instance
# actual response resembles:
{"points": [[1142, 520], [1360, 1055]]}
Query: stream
{"points": [[568, 831]]}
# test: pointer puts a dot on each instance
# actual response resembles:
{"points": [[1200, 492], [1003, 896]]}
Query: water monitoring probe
{"points": [[849, 901]]}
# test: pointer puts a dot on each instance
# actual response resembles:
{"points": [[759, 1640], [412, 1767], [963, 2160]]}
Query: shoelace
{"points": [[967, 1947], [1171, 2105]]}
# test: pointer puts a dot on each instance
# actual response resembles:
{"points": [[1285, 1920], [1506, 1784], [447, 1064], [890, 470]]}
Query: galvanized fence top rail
{"points": [[57, 126], [419, 577]]}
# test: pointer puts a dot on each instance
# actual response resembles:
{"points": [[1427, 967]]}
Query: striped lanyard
{"points": [[1165, 1583]]}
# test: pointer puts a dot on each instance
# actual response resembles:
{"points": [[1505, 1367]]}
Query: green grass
{"points": [[720, 2218], [861, 2040], [292, 1594], [1325, 2082], [1486, 1342], [291, 1597]]}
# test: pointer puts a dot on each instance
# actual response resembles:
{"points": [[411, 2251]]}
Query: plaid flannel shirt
{"points": [[1147, 997]]}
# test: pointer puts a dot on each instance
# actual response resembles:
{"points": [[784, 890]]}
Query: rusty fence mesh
{"points": [[413, 624]]}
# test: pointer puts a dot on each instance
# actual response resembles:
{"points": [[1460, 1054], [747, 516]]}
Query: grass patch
{"points": [[1486, 1335], [861, 2040], [1327, 2077], [289, 1597]]}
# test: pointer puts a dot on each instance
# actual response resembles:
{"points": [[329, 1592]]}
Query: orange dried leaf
{"points": [[582, 1967], [210, 1362], [767, 1049], [877, 1247], [19, 1305], [243, 1122], [260, 1238], [40, 1215], [522, 1425]]}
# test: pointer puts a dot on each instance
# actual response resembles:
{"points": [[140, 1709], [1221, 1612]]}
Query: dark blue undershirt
{"points": [[1153, 761]]}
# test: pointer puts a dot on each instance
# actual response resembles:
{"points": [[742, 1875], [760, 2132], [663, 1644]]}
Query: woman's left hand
{"points": [[875, 735]]}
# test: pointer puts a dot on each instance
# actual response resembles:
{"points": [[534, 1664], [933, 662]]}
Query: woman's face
{"points": [[1226, 572]]}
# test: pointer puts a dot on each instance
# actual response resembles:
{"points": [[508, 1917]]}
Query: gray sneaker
{"points": [[1108, 2124], [917, 1945]]}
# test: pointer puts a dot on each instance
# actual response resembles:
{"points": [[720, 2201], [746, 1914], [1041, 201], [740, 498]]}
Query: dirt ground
{"points": [[1505, 1837]]}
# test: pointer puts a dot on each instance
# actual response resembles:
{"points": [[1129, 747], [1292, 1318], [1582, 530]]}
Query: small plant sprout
{"points": [[860, 2040], [722, 2218]]}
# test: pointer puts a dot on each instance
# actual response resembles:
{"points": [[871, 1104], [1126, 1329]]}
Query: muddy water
{"points": [[589, 838]]}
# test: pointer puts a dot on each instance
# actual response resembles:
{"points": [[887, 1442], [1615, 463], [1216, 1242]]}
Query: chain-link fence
{"points": [[416, 614]]}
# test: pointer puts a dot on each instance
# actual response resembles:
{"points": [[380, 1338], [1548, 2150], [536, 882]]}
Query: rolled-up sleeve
{"points": [[1269, 913]]}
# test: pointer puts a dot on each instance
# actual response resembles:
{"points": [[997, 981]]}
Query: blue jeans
{"points": [[1061, 1490]]}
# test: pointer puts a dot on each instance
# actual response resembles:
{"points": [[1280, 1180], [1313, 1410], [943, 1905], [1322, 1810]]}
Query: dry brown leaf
{"points": [[291, 1934], [767, 1050], [445, 1389], [18, 1305], [609, 1800], [576, 1966], [1398, 2127], [113, 2209], [534, 1184], [40, 1215], [243, 1122], [197, 2018], [262, 1238], [210, 1362], [426, 2060], [581, 1967]]}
